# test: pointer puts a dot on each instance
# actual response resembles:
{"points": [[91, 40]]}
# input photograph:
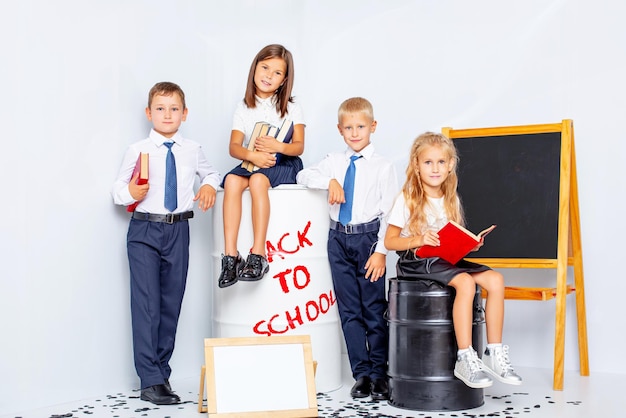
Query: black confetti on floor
{"points": [[327, 407], [512, 405]]}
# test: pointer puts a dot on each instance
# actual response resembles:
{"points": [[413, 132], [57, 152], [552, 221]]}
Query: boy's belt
{"points": [[169, 218], [372, 226]]}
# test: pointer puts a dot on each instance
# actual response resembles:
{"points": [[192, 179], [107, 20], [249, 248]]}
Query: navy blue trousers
{"points": [[158, 257], [362, 304]]}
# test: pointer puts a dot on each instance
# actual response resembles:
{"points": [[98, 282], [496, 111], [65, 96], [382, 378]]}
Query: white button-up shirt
{"points": [[190, 162], [375, 186]]}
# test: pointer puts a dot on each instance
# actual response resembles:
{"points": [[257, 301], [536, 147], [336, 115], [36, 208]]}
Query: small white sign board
{"points": [[257, 376]]}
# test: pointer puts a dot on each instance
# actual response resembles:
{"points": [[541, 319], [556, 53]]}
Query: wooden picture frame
{"points": [[259, 377]]}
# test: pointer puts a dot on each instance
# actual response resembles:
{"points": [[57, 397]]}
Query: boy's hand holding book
{"points": [[138, 190], [138, 184]]}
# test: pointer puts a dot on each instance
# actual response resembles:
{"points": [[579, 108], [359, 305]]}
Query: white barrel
{"points": [[296, 296]]}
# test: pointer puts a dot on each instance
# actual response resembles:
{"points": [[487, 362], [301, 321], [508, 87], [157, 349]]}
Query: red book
{"points": [[455, 242], [141, 167]]}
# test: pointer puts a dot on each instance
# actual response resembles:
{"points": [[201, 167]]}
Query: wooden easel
{"points": [[569, 247]]}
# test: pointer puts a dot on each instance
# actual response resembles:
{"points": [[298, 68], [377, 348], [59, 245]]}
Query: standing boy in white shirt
{"points": [[356, 249], [158, 234]]}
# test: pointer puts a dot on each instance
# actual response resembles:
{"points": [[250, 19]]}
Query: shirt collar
{"points": [[267, 102], [366, 152], [159, 139]]}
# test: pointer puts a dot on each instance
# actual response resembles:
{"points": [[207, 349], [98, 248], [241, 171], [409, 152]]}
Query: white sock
{"points": [[492, 346], [463, 351]]}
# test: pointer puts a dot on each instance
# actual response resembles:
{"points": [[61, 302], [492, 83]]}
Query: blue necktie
{"points": [[171, 198], [345, 210]]}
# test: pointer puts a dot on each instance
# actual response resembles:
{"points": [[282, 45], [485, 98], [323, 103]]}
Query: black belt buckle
{"points": [[169, 218]]}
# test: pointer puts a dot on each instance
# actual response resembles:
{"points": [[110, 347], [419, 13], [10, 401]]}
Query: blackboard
{"points": [[512, 181]]}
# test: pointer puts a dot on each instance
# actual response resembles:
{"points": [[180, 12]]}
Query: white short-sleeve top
{"points": [[245, 118], [436, 216]]}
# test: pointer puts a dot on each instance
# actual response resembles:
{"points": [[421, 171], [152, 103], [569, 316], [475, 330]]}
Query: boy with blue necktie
{"points": [[158, 234], [361, 188]]}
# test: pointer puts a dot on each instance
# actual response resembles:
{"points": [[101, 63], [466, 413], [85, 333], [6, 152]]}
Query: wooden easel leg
{"points": [[581, 317], [579, 282], [559, 341], [201, 407], [563, 235]]}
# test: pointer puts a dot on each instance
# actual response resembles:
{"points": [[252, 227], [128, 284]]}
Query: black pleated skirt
{"points": [[412, 267]]}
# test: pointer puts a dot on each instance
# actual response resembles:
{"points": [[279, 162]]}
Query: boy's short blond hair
{"points": [[356, 105], [166, 88]]}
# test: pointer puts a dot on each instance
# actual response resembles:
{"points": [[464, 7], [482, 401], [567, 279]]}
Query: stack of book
{"points": [[282, 134]]}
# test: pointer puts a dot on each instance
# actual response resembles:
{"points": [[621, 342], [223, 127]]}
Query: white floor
{"points": [[599, 395]]}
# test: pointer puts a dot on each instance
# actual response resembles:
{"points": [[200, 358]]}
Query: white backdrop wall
{"points": [[76, 77]]}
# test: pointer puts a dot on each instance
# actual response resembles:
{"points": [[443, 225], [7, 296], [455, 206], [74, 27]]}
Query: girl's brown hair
{"points": [[283, 94]]}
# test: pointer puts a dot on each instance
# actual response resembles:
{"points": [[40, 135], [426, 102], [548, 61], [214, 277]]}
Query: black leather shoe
{"points": [[159, 395], [361, 388], [255, 268], [231, 268], [380, 389]]}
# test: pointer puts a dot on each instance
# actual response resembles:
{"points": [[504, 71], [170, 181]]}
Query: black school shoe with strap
{"points": [[231, 268], [255, 268]]}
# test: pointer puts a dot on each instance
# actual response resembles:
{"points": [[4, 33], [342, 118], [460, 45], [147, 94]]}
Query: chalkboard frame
{"points": [[559, 210], [568, 243]]}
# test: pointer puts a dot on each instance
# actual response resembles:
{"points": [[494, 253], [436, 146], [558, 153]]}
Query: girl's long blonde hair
{"points": [[414, 195]]}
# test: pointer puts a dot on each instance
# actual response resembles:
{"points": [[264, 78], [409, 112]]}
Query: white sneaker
{"points": [[468, 368], [496, 362]]}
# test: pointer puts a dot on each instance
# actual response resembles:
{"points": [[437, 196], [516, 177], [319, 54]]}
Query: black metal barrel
{"points": [[422, 347]]}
